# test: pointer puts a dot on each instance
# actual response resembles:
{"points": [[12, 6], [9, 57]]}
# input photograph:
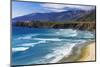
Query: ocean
{"points": [[42, 46]]}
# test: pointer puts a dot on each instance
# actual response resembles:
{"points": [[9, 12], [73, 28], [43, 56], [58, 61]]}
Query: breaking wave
{"points": [[46, 45]]}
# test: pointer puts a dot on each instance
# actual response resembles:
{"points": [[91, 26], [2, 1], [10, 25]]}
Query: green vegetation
{"points": [[86, 22], [89, 17]]}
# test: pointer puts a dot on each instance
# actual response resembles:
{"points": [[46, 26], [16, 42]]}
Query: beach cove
{"points": [[85, 53], [42, 46]]}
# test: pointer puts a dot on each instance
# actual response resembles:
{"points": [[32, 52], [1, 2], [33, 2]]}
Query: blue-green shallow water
{"points": [[41, 46]]}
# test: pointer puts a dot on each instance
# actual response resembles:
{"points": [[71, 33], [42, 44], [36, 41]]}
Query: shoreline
{"points": [[89, 53], [86, 52]]}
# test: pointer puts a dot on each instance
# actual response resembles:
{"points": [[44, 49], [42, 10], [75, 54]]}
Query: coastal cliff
{"points": [[83, 22], [75, 25]]}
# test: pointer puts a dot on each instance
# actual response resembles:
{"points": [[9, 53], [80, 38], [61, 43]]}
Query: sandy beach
{"points": [[87, 53]]}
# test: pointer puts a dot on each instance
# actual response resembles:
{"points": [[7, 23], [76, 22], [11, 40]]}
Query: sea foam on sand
{"points": [[58, 54]]}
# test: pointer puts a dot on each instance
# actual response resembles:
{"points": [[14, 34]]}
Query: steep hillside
{"points": [[89, 17], [69, 15]]}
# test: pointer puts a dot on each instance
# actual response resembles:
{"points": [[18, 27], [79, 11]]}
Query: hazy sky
{"points": [[23, 8]]}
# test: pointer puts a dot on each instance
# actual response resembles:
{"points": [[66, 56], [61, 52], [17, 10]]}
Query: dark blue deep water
{"points": [[41, 46]]}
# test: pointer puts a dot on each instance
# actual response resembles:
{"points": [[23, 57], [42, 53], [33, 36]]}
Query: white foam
{"points": [[60, 52], [64, 52], [67, 32], [27, 44], [85, 34], [31, 44], [48, 39], [27, 36], [19, 49]]}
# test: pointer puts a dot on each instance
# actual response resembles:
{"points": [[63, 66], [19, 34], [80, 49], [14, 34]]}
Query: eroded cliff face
{"points": [[74, 25], [79, 25]]}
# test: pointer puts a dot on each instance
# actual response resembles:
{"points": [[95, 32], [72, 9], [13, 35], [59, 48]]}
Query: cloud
{"points": [[83, 7], [63, 7], [54, 7]]}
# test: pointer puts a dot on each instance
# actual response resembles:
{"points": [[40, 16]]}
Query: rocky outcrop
{"points": [[75, 25], [79, 25]]}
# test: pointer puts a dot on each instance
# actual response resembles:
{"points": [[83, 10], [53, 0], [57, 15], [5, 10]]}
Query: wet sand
{"points": [[86, 53]]}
